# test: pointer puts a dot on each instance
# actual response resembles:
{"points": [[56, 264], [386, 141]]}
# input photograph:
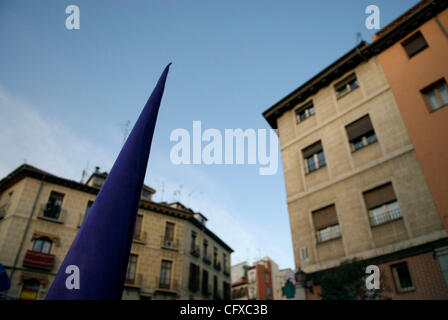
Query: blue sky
{"points": [[65, 96]]}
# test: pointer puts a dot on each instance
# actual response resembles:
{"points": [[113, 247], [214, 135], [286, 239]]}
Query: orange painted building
{"points": [[413, 52]]}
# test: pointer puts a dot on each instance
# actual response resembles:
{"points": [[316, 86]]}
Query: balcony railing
{"points": [[137, 281], [52, 213], [332, 232], [226, 271], [217, 266], [385, 216], [141, 237], [169, 244], [207, 260], [4, 210], [194, 251], [39, 260], [172, 286]]}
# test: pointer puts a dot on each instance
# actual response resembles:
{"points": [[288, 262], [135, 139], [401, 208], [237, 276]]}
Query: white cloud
{"points": [[26, 135]]}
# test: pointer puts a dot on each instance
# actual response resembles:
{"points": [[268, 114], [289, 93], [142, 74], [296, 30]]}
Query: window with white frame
{"points": [[305, 111], [360, 133], [314, 157], [382, 205], [326, 223], [346, 85]]}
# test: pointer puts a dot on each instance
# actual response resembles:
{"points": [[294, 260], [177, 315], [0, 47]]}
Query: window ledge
{"points": [[310, 172], [441, 107], [406, 290], [346, 93], [50, 219], [300, 121], [328, 240]]}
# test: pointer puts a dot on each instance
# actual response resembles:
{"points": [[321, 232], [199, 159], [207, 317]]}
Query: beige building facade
{"points": [[353, 183], [40, 215]]}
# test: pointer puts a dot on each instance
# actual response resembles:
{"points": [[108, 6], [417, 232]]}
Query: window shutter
{"points": [[379, 196], [325, 217], [414, 44], [312, 149], [359, 128]]}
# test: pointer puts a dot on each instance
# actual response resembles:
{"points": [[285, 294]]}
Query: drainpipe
{"points": [[26, 230], [441, 26]]}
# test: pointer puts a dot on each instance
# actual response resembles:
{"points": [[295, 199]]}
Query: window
{"points": [[138, 226], [132, 267], [326, 224], [194, 249], [215, 255], [42, 244], [346, 85], [30, 289], [224, 260], [304, 254], [89, 205], [360, 133], [436, 95], [215, 288], [266, 277], [193, 283], [268, 292], [205, 244], [165, 274], [402, 276], [169, 232], [314, 157], [226, 290], [205, 290], [414, 44], [53, 206], [382, 205], [305, 112], [146, 194]]}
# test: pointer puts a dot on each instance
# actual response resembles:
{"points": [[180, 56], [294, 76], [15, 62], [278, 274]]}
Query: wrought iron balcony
{"points": [[194, 251], [140, 237], [52, 213], [4, 210], [207, 260], [35, 259], [171, 286], [169, 243], [217, 266], [136, 281]]}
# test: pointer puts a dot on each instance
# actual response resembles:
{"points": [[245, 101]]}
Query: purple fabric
{"points": [[102, 246]]}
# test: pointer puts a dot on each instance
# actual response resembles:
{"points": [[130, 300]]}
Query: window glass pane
{"points": [[311, 163], [435, 103], [377, 215], [353, 84], [404, 276], [46, 247], [302, 115], [394, 210], [37, 245], [371, 137], [311, 110], [321, 158], [358, 144], [443, 92]]}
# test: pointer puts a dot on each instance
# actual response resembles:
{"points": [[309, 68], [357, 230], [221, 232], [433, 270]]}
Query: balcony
{"points": [[194, 251], [40, 260], [217, 266], [3, 210], [207, 260], [378, 217], [226, 271], [137, 281], [52, 213], [169, 244], [171, 287], [140, 238]]}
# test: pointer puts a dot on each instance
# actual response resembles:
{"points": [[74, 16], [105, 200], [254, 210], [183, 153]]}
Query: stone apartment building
{"points": [[354, 184], [261, 281], [41, 213]]}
